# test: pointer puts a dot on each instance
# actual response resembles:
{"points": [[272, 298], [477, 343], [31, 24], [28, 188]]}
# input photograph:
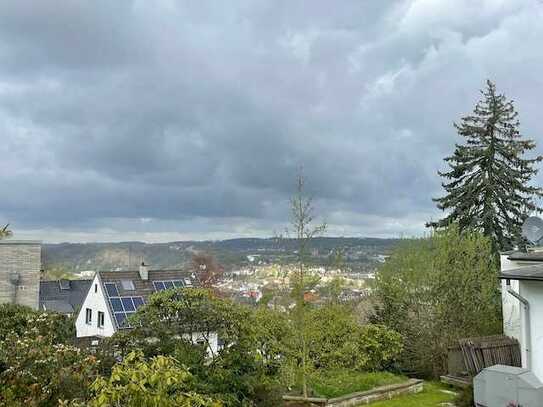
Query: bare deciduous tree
{"points": [[302, 223], [206, 269]]}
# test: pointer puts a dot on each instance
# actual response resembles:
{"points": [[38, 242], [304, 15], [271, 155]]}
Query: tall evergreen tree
{"points": [[487, 185]]}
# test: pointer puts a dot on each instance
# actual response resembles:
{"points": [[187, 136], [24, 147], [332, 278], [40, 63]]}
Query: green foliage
{"points": [[173, 315], [161, 381], [19, 320], [235, 373], [379, 345], [488, 184], [260, 345], [465, 397], [436, 290], [37, 372], [272, 338], [14, 319], [57, 272], [339, 382], [337, 340]]}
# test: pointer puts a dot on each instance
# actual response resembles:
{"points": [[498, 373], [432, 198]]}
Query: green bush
{"points": [[337, 340], [19, 320], [37, 372], [161, 381], [380, 345]]}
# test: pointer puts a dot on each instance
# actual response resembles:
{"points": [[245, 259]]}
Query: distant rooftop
{"points": [[65, 296], [534, 272], [527, 256]]}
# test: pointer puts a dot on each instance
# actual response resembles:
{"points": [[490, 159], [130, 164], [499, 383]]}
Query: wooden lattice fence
{"points": [[479, 353]]}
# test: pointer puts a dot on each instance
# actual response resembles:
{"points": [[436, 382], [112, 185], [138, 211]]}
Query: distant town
{"points": [[251, 269]]}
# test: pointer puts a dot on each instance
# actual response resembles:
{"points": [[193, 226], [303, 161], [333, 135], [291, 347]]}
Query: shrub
{"points": [[337, 340], [161, 381], [19, 320], [380, 345], [38, 372], [14, 319]]}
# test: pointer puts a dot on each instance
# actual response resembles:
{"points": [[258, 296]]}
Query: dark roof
{"points": [[53, 298], [534, 272], [526, 256], [60, 306], [143, 288]]}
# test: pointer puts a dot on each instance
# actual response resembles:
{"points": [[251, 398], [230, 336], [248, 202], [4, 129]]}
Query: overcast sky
{"points": [[174, 120]]}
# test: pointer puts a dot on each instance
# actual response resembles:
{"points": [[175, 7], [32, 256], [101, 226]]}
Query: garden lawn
{"points": [[431, 396], [335, 383]]}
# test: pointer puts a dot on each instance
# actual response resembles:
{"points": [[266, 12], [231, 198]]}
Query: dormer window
{"points": [[127, 285], [64, 284]]}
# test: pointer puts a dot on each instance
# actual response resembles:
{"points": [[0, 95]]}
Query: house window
{"points": [[88, 316], [127, 285], [100, 319], [95, 288], [64, 284]]}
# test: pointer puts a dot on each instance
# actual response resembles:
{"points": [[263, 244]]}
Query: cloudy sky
{"points": [[173, 120]]}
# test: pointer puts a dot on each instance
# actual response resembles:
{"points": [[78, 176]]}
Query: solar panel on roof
{"points": [[123, 307], [138, 301], [168, 284], [116, 304], [159, 285], [120, 317], [111, 289], [128, 304]]}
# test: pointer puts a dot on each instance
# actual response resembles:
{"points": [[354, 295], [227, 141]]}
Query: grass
{"points": [[337, 383], [431, 396]]}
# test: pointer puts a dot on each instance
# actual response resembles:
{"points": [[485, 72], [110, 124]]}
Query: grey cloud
{"points": [[197, 115]]}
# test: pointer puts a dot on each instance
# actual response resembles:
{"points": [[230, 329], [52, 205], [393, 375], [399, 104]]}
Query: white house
{"points": [[522, 304], [115, 295]]}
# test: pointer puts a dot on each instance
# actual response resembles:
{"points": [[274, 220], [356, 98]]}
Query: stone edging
{"points": [[363, 397]]}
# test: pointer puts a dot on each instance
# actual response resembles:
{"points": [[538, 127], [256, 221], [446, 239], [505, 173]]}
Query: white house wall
{"points": [[510, 305], [96, 301], [533, 292]]}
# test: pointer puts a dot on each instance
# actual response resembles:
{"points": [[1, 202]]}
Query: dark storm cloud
{"points": [[190, 119]]}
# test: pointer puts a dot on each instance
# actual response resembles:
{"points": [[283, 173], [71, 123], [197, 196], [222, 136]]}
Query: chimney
{"points": [[144, 271]]}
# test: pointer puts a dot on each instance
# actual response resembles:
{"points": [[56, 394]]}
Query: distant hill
{"points": [[230, 253]]}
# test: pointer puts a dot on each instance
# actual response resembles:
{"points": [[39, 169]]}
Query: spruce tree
{"points": [[488, 182]]}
